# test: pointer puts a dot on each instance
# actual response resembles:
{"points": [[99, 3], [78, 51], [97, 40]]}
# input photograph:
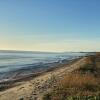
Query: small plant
{"points": [[21, 98], [47, 96], [83, 98]]}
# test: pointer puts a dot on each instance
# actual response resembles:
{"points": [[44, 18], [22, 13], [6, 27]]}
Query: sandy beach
{"points": [[33, 88]]}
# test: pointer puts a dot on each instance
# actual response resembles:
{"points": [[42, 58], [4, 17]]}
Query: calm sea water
{"points": [[13, 60]]}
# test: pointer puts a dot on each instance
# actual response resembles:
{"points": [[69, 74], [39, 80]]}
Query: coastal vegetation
{"points": [[81, 84]]}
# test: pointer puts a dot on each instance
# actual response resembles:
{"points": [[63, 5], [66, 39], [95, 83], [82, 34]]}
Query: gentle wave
{"points": [[10, 61]]}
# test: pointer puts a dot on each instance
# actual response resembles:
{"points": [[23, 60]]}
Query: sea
{"points": [[29, 62]]}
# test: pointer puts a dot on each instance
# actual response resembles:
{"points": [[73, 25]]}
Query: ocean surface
{"points": [[13, 61]]}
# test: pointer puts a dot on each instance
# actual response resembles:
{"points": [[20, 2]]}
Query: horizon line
{"points": [[13, 50]]}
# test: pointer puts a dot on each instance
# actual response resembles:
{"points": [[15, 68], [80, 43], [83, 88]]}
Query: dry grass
{"points": [[75, 84], [79, 81], [83, 82]]}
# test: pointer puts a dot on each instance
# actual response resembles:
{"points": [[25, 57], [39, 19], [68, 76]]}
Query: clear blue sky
{"points": [[50, 25]]}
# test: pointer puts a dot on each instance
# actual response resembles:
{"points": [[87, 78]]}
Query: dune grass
{"points": [[82, 84]]}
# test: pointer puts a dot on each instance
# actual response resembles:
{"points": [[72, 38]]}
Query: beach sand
{"points": [[36, 87]]}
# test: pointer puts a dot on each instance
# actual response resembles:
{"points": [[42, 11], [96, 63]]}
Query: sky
{"points": [[50, 25]]}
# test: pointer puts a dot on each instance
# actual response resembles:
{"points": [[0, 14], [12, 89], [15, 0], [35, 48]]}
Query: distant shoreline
{"points": [[27, 51]]}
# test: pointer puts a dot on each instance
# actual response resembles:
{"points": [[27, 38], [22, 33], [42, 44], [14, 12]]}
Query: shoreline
{"points": [[31, 69], [35, 88], [5, 84]]}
